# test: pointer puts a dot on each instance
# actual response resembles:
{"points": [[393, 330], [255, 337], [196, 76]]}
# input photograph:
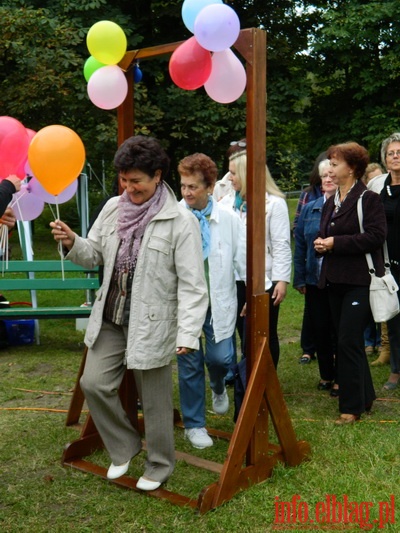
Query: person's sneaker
{"points": [[220, 402], [198, 437]]}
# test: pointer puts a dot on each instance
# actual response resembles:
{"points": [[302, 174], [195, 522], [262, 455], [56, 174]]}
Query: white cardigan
{"points": [[227, 256], [278, 254]]}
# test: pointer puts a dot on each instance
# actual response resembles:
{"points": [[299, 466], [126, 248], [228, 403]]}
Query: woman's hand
{"points": [[15, 181], [302, 290], [181, 350], [63, 233], [322, 246], [8, 218], [279, 292]]}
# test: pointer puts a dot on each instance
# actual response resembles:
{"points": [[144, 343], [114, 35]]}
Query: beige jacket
{"points": [[169, 297]]}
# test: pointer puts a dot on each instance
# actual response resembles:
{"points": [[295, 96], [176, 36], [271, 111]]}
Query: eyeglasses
{"points": [[241, 144], [392, 154]]}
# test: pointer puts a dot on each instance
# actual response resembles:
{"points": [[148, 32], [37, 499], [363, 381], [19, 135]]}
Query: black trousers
{"points": [[317, 302], [273, 328], [394, 331], [350, 312], [307, 340]]}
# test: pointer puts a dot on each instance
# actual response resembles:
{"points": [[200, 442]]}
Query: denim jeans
{"points": [[372, 334], [192, 388]]}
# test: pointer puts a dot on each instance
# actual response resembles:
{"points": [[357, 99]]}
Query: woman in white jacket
{"points": [[224, 253], [151, 306], [278, 255]]}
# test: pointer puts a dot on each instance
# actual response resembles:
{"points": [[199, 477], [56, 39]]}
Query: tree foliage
{"points": [[333, 71]]}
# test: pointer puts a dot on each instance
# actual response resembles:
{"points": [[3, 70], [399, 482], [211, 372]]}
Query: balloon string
{"points": [[52, 212], [60, 246], [4, 247], [16, 200]]}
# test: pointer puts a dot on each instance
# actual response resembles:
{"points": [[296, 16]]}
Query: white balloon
{"points": [[107, 87], [227, 80]]}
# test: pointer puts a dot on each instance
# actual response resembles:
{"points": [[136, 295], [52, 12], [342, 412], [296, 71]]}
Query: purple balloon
{"points": [[216, 27], [38, 190], [227, 80], [26, 206]]}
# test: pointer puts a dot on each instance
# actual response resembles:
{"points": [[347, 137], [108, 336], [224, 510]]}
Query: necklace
{"points": [[338, 203]]}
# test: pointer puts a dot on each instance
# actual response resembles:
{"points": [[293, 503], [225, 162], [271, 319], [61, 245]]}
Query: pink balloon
{"points": [[26, 206], [227, 81], [107, 87], [38, 190], [14, 142], [24, 167], [27, 169], [190, 65], [216, 27]]}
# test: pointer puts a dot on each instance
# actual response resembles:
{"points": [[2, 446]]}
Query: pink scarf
{"points": [[132, 223]]}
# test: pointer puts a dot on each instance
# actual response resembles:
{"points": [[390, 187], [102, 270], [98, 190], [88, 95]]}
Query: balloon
{"points": [[24, 166], [137, 74], [227, 81], [191, 8], [56, 156], [190, 65], [14, 142], [108, 87], [26, 206], [106, 41], [217, 27], [90, 66], [35, 188]]}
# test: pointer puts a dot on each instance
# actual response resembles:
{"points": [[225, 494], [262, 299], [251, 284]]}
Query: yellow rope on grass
{"points": [[44, 392]]}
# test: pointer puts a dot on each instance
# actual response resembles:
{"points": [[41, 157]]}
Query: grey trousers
{"points": [[100, 382]]}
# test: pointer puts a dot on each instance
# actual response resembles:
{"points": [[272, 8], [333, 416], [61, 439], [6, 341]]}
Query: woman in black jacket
{"points": [[345, 272]]}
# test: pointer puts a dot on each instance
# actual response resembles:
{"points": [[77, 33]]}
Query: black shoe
{"points": [[334, 393], [305, 360], [327, 385]]}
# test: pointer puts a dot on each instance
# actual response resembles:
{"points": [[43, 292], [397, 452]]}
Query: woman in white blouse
{"points": [[278, 255]]}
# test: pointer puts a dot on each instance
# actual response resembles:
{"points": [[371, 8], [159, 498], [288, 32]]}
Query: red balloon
{"points": [[14, 142], [190, 65]]}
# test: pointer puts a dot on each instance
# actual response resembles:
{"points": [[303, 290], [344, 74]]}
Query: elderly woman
{"points": [[151, 306], [345, 272], [306, 277], [388, 186], [278, 255], [224, 253]]}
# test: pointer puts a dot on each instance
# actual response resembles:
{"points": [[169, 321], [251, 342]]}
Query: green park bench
{"points": [[35, 276]]}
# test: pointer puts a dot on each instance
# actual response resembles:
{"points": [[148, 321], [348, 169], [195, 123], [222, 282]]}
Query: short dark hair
{"points": [[142, 153], [355, 155], [200, 164]]}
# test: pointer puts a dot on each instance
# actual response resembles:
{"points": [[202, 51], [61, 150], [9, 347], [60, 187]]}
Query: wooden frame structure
{"points": [[250, 457]]}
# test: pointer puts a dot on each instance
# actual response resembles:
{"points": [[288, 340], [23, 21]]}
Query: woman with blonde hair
{"points": [[278, 256]]}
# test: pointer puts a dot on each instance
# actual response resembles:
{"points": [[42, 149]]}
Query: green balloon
{"points": [[91, 65]]}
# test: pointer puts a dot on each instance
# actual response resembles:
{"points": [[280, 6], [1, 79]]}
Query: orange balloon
{"points": [[56, 156]]}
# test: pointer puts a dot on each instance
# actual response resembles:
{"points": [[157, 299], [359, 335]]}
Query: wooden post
{"points": [[263, 396]]}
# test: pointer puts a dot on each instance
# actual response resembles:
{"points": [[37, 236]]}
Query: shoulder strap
{"points": [[367, 255]]}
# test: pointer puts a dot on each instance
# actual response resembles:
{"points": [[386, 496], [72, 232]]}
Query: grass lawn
{"points": [[357, 465]]}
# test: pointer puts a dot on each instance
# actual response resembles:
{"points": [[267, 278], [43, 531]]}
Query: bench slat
{"points": [[52, 265], [48, 284], [11, 313]]}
